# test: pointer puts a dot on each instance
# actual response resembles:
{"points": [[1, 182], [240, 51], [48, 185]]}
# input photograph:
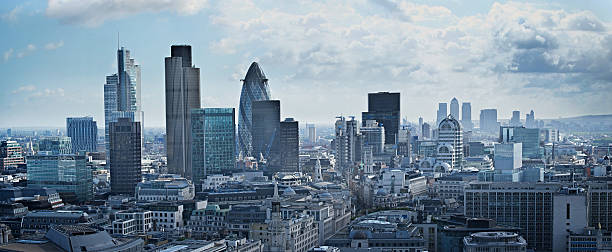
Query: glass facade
{"points": [[83, 132], [254, 88], [55, 145], [214, 142], [64, 173], [384, 107], [530, 138]]}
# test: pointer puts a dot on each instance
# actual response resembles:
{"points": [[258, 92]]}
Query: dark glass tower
{"points": [[182, 95], [384, 107], [289, 145], [266, 132], [125, 156], [254, 88], [83, 132]]}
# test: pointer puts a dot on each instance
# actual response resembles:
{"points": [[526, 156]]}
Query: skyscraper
{"points": [[312, 133], [83, 132], [182, 95], [125, 156], [347, 142], [10, 155], [530, 120], [373, 136], [466, 116], [266, 132], [426, 131], [450, 143], [420, 125], [516, 118], [213, 144], [289, 145], [384, 107], [488, 120], [254, 88], [454, 108], [122, 94], [68, 174], [529, 138], [442, 112]]}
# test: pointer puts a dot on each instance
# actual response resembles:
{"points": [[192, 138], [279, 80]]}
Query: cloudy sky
{"points": [[321, 57]]}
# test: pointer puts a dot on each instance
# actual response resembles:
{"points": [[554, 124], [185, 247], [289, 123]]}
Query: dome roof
{"points": [[288, 191], [442, 167], [449, 123]]}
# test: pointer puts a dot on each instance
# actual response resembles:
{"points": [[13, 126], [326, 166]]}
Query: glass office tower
{"points": [[68, 174], [213, 134], [254, 88]]}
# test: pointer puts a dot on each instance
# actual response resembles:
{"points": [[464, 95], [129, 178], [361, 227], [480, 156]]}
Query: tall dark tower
{"points": [[125, 156], [254, 88], [182, 95], [384, 107], [266, 132]]}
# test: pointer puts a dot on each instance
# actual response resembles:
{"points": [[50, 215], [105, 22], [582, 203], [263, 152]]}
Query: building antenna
{"points": [[117, 40]]}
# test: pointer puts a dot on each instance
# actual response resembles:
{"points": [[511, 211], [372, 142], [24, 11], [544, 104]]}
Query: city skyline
{"points": [[537, 64]]}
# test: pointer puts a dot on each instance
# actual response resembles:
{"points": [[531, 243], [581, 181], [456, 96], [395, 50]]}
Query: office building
{"points": [[289, 146], [254, 88], [404, 143], [213, 143], [346, 142], [55, 145], [530, 120], [266, 132], [508, 156], [125, 156], [466, 116], [83, 132], [122, 95], [441, 113], [384, 107], [600, 205], [454, 108], [373, 136], [488, 121], [67, 174], [516, 119], [494, 242], [168, 187], [182, 95], [450, 143], [476, 149], [312, 133], [426, 131], [530, 139], [10, 155]]}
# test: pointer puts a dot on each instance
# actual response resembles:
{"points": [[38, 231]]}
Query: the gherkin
{"points": [[254, 88]]}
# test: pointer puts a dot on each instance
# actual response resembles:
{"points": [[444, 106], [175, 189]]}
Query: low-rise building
{"points": [[494, 242], [166, 215], [167, 187]]}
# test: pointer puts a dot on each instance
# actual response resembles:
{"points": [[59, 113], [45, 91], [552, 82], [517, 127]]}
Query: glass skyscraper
{"points": [[466, 116], [83, 132], [213, 134], [122, 94], [530, 138], [68, 174], [384, 107], [125, 156], [454, 108], [289, 145], [266, 132], [254, 88]]}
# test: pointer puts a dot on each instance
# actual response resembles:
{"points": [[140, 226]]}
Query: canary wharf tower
{"points": [[254, 88]]}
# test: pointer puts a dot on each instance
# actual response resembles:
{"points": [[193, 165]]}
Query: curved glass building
{"points": [[254, 88]]}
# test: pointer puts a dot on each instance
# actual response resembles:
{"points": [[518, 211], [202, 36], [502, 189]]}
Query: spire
{"points": [[275, 190]]}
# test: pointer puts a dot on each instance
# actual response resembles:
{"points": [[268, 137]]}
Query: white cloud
{"points": [[11, 16], [29, 49], [54, 46], [96, 12], [26, 88], [517, 52], [8, 54]]}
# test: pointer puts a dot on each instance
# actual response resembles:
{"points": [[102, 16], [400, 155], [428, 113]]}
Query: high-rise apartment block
{"points": [[182, 95], [125, 156], [384, 107], [83, 132]]}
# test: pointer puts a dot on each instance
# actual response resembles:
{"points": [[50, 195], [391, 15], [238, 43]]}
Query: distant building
{"points": [[384, 107], [347, 143], [68, 174], [10, 155], [494, 242], [466, 116], [254, 88], [125, 156], [312, 133], [508, 156], [289, 146], [441, 113], [454, 108], [373, 136], [55, 145], [476, 149], [266, 132], [182, 95], [488, 120], [83, 132], [516, 119], [530, 120], [530, 139], [213, 142], [450, 143], [426, 131]]}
